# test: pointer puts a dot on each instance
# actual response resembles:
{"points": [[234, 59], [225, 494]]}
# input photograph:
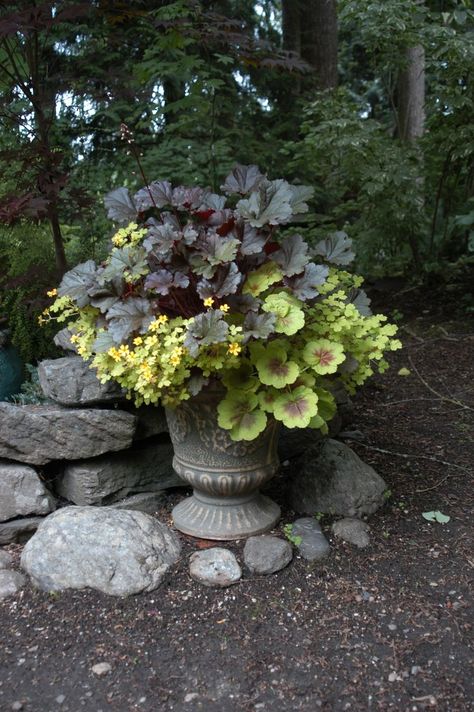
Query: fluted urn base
{"points": [[225, 475], [225, 518]]}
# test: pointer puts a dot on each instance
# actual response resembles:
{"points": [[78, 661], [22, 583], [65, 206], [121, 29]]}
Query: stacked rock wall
{"points": [[86, 446]]}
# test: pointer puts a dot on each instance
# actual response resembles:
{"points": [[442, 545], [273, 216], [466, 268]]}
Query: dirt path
{"points": [[385, 628]]}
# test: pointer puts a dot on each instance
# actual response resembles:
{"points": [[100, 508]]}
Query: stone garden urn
{"points": [[225, 475]]}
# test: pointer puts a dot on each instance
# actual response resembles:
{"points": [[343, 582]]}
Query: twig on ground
{"points": [[428, 489], [409, 457], [437, 393]]}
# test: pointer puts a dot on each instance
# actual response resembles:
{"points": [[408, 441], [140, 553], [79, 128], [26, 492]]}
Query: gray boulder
{"points": [[17, 531], [22, 492], [352, 530], [70, 381], [215, 567], [151, 421], [37, 434], [117, 552], [108, 478], [267, 554], [10, 582], [312, 544], [331, 478]]}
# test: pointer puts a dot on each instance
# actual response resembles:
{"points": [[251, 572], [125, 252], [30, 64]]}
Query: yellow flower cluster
{"points": [[130, 235]]}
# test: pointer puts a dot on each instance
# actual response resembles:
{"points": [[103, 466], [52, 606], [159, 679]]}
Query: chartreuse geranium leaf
{"points": [[274, 369], [241, 378], [239, 413], [267, 399], [318, 423], [323, 356], [326, 404], [296, 408], [260, 279], [289, 316]]}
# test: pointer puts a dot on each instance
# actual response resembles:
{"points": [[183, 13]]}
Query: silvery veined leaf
{"points": [[258, 326], [120, 206], [336, 248], [242, 179], [163, 280], [292, 256], [305, 286], [77, 282], [129, 316], [269, 205], [206, 329], [156, 194], [225, 282]]}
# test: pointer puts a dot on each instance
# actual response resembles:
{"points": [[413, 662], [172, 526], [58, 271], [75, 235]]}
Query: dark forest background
{"points": [[371, 103]]}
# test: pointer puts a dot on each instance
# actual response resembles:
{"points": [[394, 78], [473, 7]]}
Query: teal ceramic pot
{"points": [[225, 475], [11, 369]]}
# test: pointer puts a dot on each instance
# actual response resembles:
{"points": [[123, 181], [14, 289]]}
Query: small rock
{"points": [[353, 531], [314, 545], [267, 554], [190, 696], [60, 699], [6, 560], [16, 706], [22, 492], [101, 669], [392, 626], [10, 582], [215, 567]]}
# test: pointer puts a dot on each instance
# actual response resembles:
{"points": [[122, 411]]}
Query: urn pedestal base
{"points": [[225, 518]]}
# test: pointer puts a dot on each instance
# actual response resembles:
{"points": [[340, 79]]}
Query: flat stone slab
{"points": [[267, 554], [352, 530], [6, 560], [70, 381], [10, 582], [151, 421], [314, 545], [63, 341], [215, 567], [331, 478], [22, 492], [113, 551], [17, 531], [109, 478], [37, 434], [148, 502]]}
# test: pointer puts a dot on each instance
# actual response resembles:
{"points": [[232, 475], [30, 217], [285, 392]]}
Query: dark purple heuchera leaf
{"points": [[187, 198], [225, 282], [336, 248], [124, 318], [293, 255], [243, 303], [157, 194], [190, 234], [120, 206], [103, 342], [160, 239], [104, 296], [269, 205], [77, 282], [218, 250], [299, 195], [243, 179], [220, 217], [360, 300], [124, 259], [212, 201], [304, 287], [206, 329], [163, 280], [253, 242], [258, 326]]}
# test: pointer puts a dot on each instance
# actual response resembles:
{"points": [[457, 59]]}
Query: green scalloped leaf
{"points": [[239, 413], [318, 423], [323, 356], [297, 408], [289, 315], [262, 278], [267, 399], [326, 404], [275, 370], [241, 378]]}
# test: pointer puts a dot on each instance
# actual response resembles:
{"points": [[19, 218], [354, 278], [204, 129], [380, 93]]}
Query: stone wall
{"points": [[86, 446]]}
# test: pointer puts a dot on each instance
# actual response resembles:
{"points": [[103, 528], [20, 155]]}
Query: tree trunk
{"points": [[319, 40], [411, 95], [291, 13]]}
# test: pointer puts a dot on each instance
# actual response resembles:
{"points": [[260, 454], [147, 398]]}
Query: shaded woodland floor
{"points": [[385, 628]]}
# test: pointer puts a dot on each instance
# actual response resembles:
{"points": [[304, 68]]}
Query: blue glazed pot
{"points": [[11, 371]]}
